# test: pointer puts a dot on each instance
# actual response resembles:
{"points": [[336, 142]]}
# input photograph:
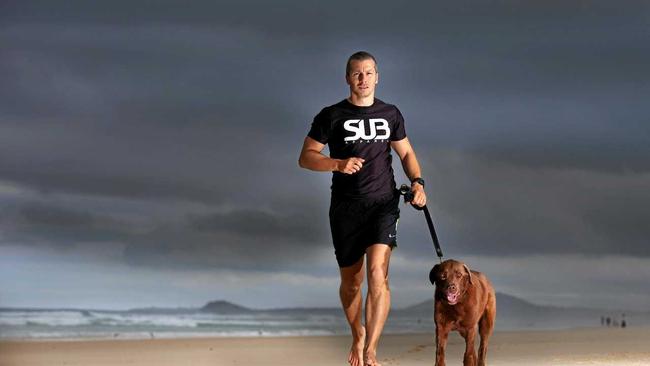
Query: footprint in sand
{"points": [[417, 348]]}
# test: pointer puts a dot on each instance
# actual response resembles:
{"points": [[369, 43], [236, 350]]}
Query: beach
{"points": [[586, 346]]}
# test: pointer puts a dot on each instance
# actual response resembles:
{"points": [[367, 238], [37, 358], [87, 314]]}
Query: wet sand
{"points": [[592, 346]]}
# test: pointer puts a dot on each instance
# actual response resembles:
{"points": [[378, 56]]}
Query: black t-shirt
{"points": [[363, 132]]}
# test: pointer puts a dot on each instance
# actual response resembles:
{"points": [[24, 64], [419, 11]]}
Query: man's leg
{"points": [[351, 299], [378, 299]]}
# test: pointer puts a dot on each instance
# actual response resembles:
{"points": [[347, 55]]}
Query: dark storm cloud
{"points": [[113, 124], [312, 17], [127, 76], [158, 140], [547, 96], [63, 228], [209, 104], [239, 239], [235, 239], [260, 224], [496, 208]]}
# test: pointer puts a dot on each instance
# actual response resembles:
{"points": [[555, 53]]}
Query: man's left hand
{"points": [[419, 197]]}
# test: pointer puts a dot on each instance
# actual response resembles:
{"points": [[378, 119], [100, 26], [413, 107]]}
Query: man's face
{"points": [[362, 78]]}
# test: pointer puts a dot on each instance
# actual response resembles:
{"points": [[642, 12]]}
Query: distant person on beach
{"points": [[360, 131]]}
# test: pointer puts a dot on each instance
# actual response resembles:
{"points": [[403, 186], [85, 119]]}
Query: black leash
{"points": [[408, 197]]}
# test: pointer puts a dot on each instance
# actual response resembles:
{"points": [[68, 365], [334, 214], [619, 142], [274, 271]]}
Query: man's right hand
{"points": [[350, 166]]}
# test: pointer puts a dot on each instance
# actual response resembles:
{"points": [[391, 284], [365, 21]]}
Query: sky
{"points": [[148, 150]]}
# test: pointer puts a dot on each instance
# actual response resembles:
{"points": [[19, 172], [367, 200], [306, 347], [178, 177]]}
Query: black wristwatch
{"points": [[418, 180]]}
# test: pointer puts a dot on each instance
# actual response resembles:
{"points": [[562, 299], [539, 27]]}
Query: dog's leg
{"points": [[485, 326], [469, 359], [442, 332]]}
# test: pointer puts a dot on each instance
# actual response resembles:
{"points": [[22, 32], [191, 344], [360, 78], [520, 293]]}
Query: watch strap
{"points": [[418, 180]]}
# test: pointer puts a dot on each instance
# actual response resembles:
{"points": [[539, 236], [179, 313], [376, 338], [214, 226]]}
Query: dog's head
{"points": [[452, 278]]}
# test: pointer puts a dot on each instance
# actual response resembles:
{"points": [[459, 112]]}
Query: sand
{"points": [[595, 346]]}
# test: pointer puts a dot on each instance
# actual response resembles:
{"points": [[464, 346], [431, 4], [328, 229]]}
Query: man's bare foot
{"points": [[370, 358], [356, 351]]}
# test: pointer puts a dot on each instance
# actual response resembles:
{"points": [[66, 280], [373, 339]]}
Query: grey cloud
{"points": [[118, 86], [261, 224], [136, 127], [309, 16], [166, 136], [236, 239], [209, 105], [495, 208], [619, 213], [63, 228], [239, 240]]}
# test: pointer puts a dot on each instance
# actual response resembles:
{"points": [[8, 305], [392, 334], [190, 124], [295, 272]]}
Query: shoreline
{"points": [[162, 336], [579, 346]]}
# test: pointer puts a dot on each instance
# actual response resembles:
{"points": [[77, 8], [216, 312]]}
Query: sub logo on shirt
{"points": [[378, 130]]}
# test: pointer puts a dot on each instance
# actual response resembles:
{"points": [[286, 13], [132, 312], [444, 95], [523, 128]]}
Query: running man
{"points": [[360, 131]]}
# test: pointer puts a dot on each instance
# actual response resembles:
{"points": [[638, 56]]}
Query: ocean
{"points": [[222, 319], [99, 324]]}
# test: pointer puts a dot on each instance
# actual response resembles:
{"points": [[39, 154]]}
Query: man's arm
{"points": [[411, 168], [311, 158]]}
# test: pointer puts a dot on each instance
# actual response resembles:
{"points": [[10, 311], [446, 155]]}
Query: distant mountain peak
{"points": [[224, 307]]}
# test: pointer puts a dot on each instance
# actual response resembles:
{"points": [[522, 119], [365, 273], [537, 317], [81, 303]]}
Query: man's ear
{"points": [[434, 274], [469, 273]]}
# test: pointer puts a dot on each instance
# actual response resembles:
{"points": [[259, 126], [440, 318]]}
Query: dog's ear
{"points": [[434, 274], [469, 273]]}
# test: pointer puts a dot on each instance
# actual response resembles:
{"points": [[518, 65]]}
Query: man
{"points": [[360, 131]]}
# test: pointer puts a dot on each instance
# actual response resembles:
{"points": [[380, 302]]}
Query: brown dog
{"points": [[463, 299]]}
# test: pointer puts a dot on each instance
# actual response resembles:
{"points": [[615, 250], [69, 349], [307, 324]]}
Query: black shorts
{"points": [[358, 223]]}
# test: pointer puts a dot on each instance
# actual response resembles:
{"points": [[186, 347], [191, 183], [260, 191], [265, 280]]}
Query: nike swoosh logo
{"points": [[392, 236]]}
